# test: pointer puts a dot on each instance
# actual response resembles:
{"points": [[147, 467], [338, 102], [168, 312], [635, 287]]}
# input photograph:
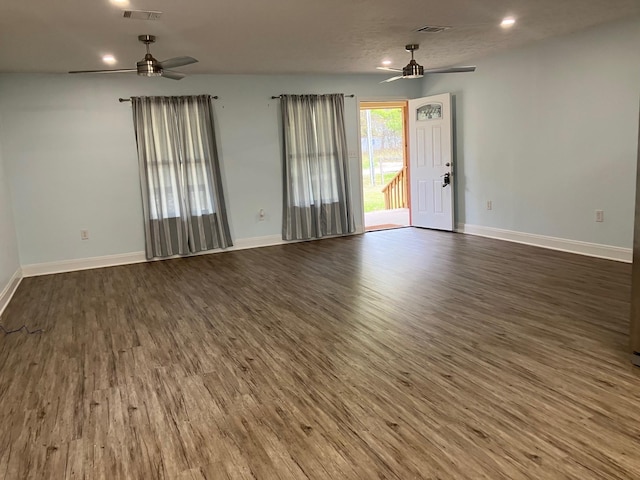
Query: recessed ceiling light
{"points": [[386, 62], [120, 3], [508, 22], [109, 59]]}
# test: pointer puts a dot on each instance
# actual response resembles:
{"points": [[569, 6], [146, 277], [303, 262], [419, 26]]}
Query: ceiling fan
{"points": [[149, 66], [415, 70]]}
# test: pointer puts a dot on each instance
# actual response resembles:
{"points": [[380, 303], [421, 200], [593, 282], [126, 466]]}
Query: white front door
{"points": [[431, 162]]}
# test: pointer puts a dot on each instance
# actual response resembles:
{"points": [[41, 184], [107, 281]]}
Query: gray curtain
{"points": [[316, 167], [183, 204]]}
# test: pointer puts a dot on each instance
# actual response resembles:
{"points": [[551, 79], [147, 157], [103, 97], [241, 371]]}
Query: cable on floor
{"points": [[23, 327]]}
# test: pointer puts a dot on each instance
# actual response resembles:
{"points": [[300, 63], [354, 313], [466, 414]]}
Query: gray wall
{"points": [[9, 261], [549, 134], [71, 157]]}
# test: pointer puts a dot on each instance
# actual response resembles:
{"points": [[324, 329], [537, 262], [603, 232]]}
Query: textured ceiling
{"points": [[282, 36]]}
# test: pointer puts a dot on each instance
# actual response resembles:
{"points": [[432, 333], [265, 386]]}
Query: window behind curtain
{"points": [[180, 175], [316, 177], [200, 196]]}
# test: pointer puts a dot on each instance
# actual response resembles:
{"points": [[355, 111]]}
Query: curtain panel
{"points": [[317, 200], [182, 198]]}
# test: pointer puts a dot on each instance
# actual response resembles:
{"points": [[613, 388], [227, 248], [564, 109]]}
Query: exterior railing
{"points": [[395, 192]]}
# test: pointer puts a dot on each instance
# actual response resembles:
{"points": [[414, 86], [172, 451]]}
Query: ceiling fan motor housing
{"points": [[413, 70], [149, 67]]}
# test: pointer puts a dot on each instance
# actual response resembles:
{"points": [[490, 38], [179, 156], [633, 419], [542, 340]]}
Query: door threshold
{"points": [[386, 226]]}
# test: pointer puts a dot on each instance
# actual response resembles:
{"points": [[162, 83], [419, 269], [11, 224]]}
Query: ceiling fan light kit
{"points": [[149, 66]]}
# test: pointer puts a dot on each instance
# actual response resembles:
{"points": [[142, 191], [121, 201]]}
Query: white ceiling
{"points": [[282, 36]]}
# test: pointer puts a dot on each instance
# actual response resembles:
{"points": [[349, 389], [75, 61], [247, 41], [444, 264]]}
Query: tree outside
{"points": [[381, 134]]}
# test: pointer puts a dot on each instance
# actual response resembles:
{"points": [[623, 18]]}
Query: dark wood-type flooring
{"points": [[401, 354]]}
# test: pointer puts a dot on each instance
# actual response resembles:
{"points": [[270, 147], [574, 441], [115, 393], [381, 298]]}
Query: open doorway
{"points": [[385, 173]]}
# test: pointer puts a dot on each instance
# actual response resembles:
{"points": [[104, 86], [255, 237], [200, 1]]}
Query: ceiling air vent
{"points": [[432, 29], [141, 14]]}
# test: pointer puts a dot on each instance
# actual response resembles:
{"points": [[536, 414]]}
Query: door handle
{"points": [[446, 180]]}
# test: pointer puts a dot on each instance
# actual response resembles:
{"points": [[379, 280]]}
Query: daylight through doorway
{"points": [[384, 165]]}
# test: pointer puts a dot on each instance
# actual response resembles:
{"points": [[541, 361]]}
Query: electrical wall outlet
{"points": [[599, 215], [489, 205], [84, 234]]}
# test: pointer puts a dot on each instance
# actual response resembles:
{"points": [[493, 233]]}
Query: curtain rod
{"points": [[280, 96], [122, 100]]}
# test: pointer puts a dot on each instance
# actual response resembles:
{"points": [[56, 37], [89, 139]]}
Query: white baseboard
{"points": [[254, 242], [63, 266], [619, 254], [48, 268], [7, 293], [573, 246]]}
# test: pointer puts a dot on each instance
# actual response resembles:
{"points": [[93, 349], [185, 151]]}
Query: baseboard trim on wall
{"points": [[573, 246], [64, 266], [608, 252], [254, 242], [10, 289], [37, 269]]}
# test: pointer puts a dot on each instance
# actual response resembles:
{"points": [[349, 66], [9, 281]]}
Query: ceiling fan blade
{"points": [[392, 79], [470, 68], [126, 70], [389, 69], [178, 62], [173, 75]]}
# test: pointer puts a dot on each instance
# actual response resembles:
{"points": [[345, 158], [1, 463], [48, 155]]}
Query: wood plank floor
{"points": [[401, 354]]}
